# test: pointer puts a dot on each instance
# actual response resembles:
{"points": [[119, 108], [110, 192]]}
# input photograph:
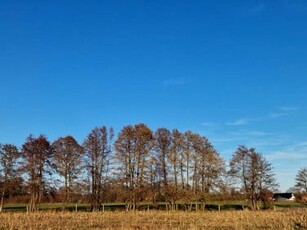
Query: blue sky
{"points": [[234, 71]]}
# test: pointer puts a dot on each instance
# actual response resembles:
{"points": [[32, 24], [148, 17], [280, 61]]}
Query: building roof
{"points": [[283, 195]]}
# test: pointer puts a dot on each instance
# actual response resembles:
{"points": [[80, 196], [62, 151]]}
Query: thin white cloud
{"points": [[287, 155], [276, 115], [247, 133], [243, 121], [301, 145], [283, 111], [175, 81], [223, 140], [208, 124], [296, 151], [257, 133], [261, 140], [287, 109]]}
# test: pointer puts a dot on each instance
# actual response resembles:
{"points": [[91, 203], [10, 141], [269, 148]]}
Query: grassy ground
{"points": [[214, 206], [294, 218]]}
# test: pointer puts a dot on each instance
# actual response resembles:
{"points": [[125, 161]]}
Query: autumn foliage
{"points": [[136, 165]]}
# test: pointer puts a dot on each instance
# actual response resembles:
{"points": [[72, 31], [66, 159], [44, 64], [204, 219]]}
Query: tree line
{"points": [[137, 165]]}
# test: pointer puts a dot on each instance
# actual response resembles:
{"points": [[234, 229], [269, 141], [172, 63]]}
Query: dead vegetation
{"points": [[280, 219]]}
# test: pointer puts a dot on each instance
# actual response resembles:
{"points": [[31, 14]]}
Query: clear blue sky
{"points": [[234, 71]]}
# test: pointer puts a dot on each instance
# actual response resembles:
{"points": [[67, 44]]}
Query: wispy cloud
{"points": [[276, 114], [255, 138], [228, 139], [286, 155], [243, 133], [175, 81], [296, 151], [287, 161], [258, 133], [209, 124], [287, 109], [283, 111], [243, 121]]}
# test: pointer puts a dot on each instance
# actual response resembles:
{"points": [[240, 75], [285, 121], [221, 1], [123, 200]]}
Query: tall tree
{"points": [[209, 166], [36, 154], [254, 171], [143, 147], [133, 147], [126, 160], [187, 156], [175, 158], [98, 147], [162, 146], [175, 162], [239, 166], [9, 155], [301, 180], [203, 167], [67, 161]]}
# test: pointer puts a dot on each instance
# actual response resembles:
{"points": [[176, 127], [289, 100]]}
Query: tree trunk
{"points": [[253, 202], [2, 196], [182, 177], [2, 201], [187, 173], [175, 175], [33, 202], [66, 192]]}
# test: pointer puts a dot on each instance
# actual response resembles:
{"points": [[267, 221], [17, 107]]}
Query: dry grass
{"points": [[281, 219]]}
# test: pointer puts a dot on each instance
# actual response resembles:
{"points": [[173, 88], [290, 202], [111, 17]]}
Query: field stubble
{"points": [[281, 219]]}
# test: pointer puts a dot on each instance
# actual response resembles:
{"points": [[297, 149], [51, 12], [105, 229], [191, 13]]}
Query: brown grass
{"points": [[280, 219]]}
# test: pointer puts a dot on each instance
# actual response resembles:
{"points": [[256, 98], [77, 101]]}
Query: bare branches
{"points": [[98, 147], [36, 153], [301, 180], [9, 155], [67, 162], [254, 172]]}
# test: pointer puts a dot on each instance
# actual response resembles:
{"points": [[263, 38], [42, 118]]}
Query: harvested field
{"points": [[280, 219]]}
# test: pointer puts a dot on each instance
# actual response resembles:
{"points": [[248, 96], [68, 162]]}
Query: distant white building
{"points": [[284, 197]]}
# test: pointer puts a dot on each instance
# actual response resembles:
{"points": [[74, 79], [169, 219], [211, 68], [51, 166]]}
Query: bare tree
{"points": [[143, 147], [9, 155], [98, 147], [239, 166], [126, 161], [174, 158], [203, 168], [254, 171], [162, 147], [133, 147], [155, 180], [301, 180], [209, 166], [175, 162], [67, 161], [188, 156], [36, 153]]}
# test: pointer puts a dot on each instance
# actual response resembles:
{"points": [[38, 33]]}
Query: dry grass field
{"points": [[280, 219]]}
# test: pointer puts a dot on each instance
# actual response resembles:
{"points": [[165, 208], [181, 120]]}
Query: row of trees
{"points": [[140, 164]]}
